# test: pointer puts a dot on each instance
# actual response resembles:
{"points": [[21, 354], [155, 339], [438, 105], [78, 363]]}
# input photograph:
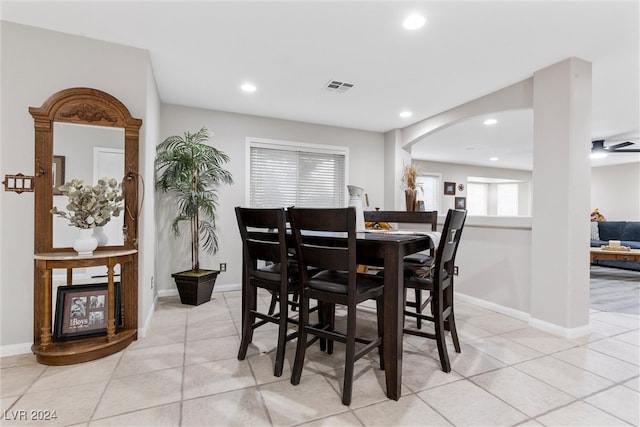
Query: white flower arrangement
{"points": [[91, 206]]}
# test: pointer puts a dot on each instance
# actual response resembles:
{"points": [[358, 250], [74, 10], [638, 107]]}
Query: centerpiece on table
{"points": [[409, 177], [90, 207]]}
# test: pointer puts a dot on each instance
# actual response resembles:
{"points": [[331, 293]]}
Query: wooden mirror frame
{"points": [[89, 107]]}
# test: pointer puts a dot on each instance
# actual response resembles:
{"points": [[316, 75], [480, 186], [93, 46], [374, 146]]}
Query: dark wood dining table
{"points": [[387, 249]]}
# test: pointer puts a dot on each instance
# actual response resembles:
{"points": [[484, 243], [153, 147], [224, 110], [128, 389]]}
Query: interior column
{"points": [[561, 198]]}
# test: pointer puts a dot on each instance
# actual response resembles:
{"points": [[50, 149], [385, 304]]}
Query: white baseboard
{"points": [[535, 323], [493, 306], [15, 349], [580, 331]]}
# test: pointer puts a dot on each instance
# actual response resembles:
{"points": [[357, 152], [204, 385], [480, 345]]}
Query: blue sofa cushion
{"points": [[611, 230], [631, 232], [632, 244]]}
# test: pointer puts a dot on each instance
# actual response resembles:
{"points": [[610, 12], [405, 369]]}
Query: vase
{"points": [[355, 200], [410, 196], [85, 243], [98, 233]]}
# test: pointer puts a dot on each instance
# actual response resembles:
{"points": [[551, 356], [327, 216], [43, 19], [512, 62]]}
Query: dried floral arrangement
{"points": [[409, 176], [91, 205]]}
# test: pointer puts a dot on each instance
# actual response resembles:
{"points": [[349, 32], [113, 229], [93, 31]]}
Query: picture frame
{"points": [[461, 203], [450, 188], [82, 311], [57, 174]]}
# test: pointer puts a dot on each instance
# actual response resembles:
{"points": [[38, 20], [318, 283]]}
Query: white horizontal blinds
{"points": [[320, 180], [289, 175], [274, 178]]}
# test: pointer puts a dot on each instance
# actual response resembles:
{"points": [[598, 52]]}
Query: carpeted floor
{"points": [[615, 290]]}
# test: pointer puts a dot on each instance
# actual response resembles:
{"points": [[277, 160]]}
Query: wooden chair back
{"points": [[257, 226], [448, 247], [312, 255]]}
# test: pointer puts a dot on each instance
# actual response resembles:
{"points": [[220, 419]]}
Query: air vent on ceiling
{"points": [[339, 87]]}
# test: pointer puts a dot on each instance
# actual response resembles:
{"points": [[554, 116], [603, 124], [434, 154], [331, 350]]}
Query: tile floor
{"points": [[185, 373]]}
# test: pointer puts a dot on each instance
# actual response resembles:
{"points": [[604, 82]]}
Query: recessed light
{"points": [[413, 22], [493, 159], [598, 155], [405, 114], [248, 87], [490, 122]]}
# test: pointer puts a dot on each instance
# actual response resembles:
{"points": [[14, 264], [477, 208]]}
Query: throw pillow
{"points": [[595, 233]]}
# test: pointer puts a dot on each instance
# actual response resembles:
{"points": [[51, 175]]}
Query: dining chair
{"points": [[260, 246], [338, 282], [412, 262], [440, 284]]}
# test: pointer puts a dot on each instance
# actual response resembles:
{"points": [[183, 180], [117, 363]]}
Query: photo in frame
{"points": [[82, 311], [450, 188], [57, 173], [461, 203]]}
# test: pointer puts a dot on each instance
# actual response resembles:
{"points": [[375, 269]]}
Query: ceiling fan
{"points": [[598, 147]]}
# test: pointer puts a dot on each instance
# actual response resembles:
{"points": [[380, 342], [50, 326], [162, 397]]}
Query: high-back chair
{"points": [[337, 283], [414, 261], [440, 284], [263, 233]]}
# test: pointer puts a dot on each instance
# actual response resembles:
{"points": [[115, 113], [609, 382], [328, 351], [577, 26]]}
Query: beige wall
{"points": [[615, 191]]}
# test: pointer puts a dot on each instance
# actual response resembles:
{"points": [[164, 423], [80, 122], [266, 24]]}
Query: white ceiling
{"points": [[203, 51]]}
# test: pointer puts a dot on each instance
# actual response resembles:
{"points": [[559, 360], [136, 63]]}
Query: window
{"points": [[428, 186], [296, 174], [494, 196], [507, 199], [477, 198]]}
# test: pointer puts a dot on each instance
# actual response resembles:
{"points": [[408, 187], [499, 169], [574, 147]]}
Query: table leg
{"points": [[393, 320]]}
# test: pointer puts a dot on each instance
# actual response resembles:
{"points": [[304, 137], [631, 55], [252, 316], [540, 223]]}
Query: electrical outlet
{"points": [[223, 266], [455, 270]]}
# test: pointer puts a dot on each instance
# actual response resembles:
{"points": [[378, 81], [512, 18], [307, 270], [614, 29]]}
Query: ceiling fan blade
{"points": [[629, 150], [615, 147]]}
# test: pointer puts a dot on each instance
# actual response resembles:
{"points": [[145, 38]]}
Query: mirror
{"points": [[88, 153], [87, 134]]}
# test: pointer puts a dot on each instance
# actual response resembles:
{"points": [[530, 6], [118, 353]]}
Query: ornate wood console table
{"points": [[49, 352]]}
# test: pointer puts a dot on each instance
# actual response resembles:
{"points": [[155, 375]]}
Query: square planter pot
{"points": [[195, 288]]}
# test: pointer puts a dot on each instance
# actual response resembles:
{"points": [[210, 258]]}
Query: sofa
{"points": [[628, 232]]}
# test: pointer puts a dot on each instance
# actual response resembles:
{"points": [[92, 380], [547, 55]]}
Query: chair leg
{"points": [[440, 334], [272, 305], [321, 322], [451, 319], [248, 318], [330, 317], [349, 356], [454, 332], [301, 347], [380, 315], [418, 295], [282, 336]]}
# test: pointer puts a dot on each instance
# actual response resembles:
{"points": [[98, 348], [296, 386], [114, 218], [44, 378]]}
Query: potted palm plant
{"points": [[191, 170]]}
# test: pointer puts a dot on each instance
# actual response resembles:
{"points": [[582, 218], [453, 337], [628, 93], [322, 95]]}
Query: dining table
{"points": [[386, 249]]}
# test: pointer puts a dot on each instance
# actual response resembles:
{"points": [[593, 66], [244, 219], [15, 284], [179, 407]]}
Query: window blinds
{"points": [[292, 176]]}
